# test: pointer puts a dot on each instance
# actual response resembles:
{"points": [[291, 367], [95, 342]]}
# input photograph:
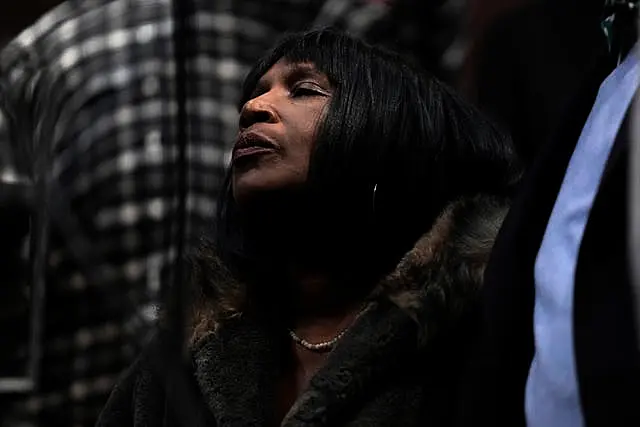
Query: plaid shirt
{"points": [[102, 72]]}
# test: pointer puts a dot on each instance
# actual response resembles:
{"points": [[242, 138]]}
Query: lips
{"points": [[252, 144]]}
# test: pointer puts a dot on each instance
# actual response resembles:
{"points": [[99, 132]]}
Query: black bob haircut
{"points": [[388, 126]]}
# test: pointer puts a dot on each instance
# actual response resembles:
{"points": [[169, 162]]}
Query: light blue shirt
{"points": [[552, 398]]}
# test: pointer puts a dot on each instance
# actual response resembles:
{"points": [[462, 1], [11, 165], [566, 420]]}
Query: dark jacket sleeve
{"points": [[138, 400], [119, 408]]}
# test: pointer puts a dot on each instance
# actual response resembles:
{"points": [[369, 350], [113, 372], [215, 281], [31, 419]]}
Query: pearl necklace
{"points": [[323, 346]]}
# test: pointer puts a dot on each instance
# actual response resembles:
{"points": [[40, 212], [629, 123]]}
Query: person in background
{"points": [[103, 74], [341, 283], [525, 68], [558, 339]]}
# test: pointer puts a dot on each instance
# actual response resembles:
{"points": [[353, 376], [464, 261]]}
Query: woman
{"points": [[359, 211]]}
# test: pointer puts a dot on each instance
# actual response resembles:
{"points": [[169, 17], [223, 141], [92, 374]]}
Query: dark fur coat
{"points": [[400, 363]]}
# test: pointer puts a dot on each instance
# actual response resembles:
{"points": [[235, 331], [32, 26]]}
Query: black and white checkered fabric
{"points": [[110, 71]]}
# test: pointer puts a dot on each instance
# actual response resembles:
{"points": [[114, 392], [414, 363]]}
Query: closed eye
{"points": [[306, 89]]}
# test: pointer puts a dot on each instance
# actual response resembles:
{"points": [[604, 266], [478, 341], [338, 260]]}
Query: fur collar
{"points": [[380, 359], [443, 270]]}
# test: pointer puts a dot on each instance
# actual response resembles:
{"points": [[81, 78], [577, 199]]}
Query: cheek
{"points": [[299, 159], [308, 137], [299, 151]]}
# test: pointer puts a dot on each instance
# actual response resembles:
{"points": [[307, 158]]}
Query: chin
{"points": [[259, 186]]}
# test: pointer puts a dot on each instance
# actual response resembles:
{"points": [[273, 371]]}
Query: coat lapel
{"points": [[607, 357], [236, 370], [358, 369], [505, 345]]}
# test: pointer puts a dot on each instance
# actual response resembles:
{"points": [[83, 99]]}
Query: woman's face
{"points": [[278, 130]]}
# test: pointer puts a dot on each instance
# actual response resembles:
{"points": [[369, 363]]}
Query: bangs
{"points": [[326, 50]]}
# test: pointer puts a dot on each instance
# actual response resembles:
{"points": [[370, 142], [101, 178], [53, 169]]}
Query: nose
{"points": [[257, 110]]}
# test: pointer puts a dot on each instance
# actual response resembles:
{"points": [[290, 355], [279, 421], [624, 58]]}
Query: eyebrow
{"points": [[295, 72], [302, 70]]}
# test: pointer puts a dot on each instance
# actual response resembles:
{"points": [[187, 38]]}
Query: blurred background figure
{"points": [[95, 82], [16, 16], [558, 343], [526, 66]]}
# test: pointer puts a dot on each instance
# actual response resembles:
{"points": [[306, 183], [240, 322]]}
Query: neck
{"points": [[299, 228], [319, 314], [321, 305], [321, 308], [323, 289]]}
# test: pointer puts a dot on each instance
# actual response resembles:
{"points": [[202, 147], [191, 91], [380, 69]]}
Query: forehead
{"points": [[288, 70]]}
